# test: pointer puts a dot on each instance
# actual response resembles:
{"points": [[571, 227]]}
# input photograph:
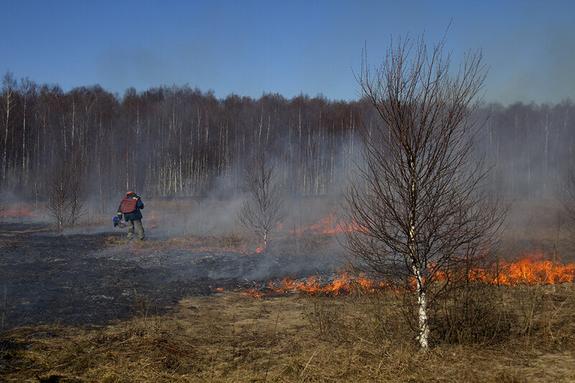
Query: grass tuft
{"points": [[234, 338]]}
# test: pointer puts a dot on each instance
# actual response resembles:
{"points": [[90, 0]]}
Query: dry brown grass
{"points": [[234, 338], [217, 244]]}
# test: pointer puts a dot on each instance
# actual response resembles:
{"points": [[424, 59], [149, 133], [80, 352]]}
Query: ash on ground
{"points": [[87, 279]]}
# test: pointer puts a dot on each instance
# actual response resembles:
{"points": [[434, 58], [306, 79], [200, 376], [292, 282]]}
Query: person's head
{"points": [[130, 194]]}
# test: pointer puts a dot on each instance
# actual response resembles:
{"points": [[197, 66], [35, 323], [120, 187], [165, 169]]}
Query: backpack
{"points": [[128, 205]]}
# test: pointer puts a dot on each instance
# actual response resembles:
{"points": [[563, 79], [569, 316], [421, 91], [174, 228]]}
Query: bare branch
{"points": [[422, 204], [263, 209]]}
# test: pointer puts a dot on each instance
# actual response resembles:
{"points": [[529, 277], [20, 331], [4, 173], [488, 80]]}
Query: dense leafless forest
{"points": [[180, 141]]}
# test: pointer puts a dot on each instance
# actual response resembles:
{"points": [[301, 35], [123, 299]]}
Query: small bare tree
{"points": [[420, 203], [65, 203], [567, 193], [263, 209], [566, 199]]}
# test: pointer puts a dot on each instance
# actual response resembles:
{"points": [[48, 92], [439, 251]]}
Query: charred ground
{"points": [[87, 305], [92, 279]]}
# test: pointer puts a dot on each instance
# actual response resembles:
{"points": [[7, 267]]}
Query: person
{"points": [[130, 208]]}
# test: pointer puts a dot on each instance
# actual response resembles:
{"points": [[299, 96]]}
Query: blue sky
{"points": [[249, 47]]}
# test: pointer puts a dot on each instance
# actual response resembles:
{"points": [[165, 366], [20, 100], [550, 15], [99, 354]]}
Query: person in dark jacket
{"points": [[130, 208]]}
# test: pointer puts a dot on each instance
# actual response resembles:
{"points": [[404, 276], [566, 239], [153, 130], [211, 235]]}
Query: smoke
{"points": [[15, 209], [294, 249], [122, 68], [532, 64]]}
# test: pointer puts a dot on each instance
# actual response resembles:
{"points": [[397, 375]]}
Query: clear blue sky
{"points": [[250, 47]]}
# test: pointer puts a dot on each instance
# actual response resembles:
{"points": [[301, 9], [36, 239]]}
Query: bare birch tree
{"points": [[9, 85], [65, 203], [566, 199], [263, 209], [420, 204]]}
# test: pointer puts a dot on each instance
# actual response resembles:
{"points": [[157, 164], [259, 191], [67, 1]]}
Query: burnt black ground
{"points": [[47, 279], [81, 280]]}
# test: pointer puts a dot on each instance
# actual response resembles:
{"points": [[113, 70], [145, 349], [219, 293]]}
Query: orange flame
{"points": [[525, 271], [254, 293], [343, 284], [21, 212]]}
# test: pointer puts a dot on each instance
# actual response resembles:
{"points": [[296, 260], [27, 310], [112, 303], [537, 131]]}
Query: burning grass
{"points": [[530, 270], [16, 213], [533, 269], [339, 285], [360, 338]]}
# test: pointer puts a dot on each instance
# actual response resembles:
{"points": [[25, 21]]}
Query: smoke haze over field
{"points": [[405, 169], [187, 142]]}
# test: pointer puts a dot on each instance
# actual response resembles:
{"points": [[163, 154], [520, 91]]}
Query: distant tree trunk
{"points": [[24, 109], [9, 84]]}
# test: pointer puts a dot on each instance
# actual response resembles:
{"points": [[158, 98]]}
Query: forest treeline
{"points": [[180, 141]]}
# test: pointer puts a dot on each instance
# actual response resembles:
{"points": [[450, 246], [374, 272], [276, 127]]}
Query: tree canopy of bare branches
{"points": [[65, 202], [263, 210], [421, 205]]}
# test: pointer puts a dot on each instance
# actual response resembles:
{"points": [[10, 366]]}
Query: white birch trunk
{"points": [[6, 124], [423, 323]]}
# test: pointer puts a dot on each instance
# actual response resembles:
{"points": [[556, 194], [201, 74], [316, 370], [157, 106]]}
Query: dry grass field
{"points": [[528, 335], [504, 334]]}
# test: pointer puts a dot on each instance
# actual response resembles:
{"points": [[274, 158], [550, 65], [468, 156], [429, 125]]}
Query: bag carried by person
{"points": [[117, 221]]}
